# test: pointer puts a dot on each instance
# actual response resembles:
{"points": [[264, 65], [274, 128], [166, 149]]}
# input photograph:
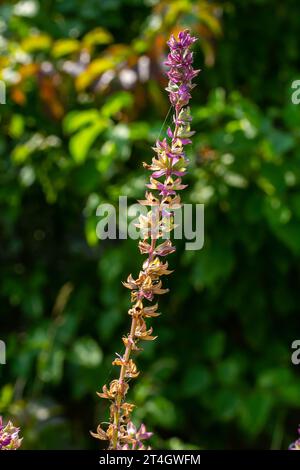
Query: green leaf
{"points": [[196, 380], [228, 371], [162, 411], [50, 365], [214, 345], [255, 412], [226, 404], [20, 153], [115, 103], [139, 130], [87, 353], [16, 126], [77, 119], [81, 142], [281, 141], [6, 396]]}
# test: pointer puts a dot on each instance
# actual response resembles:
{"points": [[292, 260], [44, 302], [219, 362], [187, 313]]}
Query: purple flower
{"points": [[136, 436], [184, 94], [164, 249], [180, 72], [9, 436], [296, 444], [168, 188], [184, 40]]}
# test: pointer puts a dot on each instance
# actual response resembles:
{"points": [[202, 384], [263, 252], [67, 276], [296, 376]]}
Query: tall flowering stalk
{"points": [[167, 167], [9, 436]]}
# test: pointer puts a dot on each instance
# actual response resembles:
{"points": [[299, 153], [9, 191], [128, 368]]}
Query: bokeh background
{"points": [[85, 102]]}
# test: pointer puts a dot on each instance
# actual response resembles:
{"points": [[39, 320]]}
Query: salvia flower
{"points": [[133, 438], [296, 444], [167, 169], [9, 436]]}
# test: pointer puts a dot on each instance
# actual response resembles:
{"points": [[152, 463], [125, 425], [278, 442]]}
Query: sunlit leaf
{"points": [[97, 36], [35, 43], [207, 15], [76, 119], [94, 70], [116, 102], [16, 126], [82, 141], [86, 353], [63, 47]]}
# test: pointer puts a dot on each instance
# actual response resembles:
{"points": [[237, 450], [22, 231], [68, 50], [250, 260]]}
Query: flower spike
{"points": [[167, 168]]}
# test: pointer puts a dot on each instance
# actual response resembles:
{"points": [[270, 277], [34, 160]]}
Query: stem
{"points": [[119, 396], [126, 357], [176, 119]]}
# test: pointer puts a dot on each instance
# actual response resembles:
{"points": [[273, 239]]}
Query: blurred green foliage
{"points": [[85, 102]]}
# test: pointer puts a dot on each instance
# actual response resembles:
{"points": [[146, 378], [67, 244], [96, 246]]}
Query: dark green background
{"points": [[220, 373]]}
